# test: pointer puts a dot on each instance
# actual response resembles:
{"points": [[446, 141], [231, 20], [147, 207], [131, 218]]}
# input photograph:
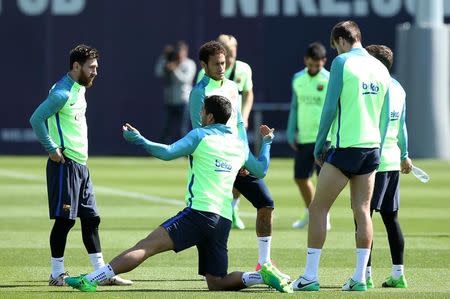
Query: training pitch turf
{"points": [[135, 195]]}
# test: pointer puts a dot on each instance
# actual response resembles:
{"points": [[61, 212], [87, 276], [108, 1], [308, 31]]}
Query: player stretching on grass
{"points": [[215, 157], [394, 158], [60, 125], [355, 107]]}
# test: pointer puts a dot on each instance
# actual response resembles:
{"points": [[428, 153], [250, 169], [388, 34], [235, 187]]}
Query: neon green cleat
{"points": [[351, 285], [369, 283], [274, 278], [236, 220], [81, 283], [395, 283], [302, 284]]}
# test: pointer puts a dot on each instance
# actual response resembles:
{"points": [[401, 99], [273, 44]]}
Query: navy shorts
{"points": [[304, 163], [69, 189], [386, 196], [254, 190], [353, 161], [208, 231]]}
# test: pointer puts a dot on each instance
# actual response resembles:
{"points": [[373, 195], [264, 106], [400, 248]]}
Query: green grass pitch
{"points": [[135, 195]]}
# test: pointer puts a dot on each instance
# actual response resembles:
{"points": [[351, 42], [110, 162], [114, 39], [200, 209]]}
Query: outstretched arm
{"points": [[182, 147], [259, 166]]}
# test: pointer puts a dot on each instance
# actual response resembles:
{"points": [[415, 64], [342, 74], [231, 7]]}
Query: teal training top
{"points": [[226, 88], [395, 146], [357, 102], [60, 121], [308, 97], [215, 157]]}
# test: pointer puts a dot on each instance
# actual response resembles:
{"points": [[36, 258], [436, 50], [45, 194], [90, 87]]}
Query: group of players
{"points": [[362, 111]]}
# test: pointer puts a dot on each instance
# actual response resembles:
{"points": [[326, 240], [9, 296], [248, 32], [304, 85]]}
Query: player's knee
{"points": [[90, 222], [214, 283], [64, 224]]}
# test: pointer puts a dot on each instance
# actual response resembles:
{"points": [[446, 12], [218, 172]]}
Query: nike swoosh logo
{"points": [[300, 285], [71, 104]]}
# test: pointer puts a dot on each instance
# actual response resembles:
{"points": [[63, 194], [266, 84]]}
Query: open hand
{"points": [[266, 132]]}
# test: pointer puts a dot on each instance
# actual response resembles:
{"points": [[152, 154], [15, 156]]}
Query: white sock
{"points": [[368, 272], [97, 260], [57, 266], [251, 278], [235, 202], [362, 257], [397, 271], [264, 249], [312, 264], [102, 274]]}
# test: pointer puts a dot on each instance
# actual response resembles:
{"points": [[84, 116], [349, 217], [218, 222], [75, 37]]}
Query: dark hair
{"points": [[81, 53], [211, 48], [316, 51], [382, 53], [348, 30], [219, 106]]}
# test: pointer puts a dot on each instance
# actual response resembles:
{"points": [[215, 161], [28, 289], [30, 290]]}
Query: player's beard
{"points": [[85, 80]]}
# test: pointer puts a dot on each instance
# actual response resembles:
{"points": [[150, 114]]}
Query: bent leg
{"points": [[230, 282], [330, 183]]}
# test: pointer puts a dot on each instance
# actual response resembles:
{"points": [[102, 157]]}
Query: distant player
{"points": [[309, 87], [60, 125], [212, 58], [240, 73], [356, 110], [206, 220], [394, 158]]}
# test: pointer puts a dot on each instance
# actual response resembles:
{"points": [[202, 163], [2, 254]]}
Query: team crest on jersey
{"points": [[238, 80], [320, 87]]}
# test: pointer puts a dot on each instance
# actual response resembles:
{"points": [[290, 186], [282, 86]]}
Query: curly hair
{"points": [[211, 48], [382, 53], [81, 53]]}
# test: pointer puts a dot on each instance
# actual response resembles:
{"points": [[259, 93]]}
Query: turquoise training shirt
{"points": [[215, 157], [357, 102]]}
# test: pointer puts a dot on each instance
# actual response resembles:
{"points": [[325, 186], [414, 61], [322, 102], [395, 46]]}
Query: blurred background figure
{"points": [[177, 71]]}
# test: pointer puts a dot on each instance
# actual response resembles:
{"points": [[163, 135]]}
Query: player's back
{"points": [[365, 82], [213, 167]]}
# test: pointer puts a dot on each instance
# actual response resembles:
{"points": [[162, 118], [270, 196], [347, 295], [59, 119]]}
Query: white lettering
{"points": [[248, 8], [32, 7], [360, 8], [271, 8], [386, 8], [333, 8], [309, 8], [68, 7]]}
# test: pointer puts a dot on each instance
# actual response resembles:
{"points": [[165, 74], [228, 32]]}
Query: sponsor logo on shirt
{"points": [[370, 88], [222, 166], [394, 115]]}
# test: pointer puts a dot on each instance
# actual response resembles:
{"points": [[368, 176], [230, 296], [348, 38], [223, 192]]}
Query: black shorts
{"points": [[208, 231], [69, 190], [254, 190], [354, 160], [304, 163], [386, 196]]}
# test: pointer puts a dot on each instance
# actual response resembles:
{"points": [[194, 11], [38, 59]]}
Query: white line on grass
{"points": [[108, 190]]}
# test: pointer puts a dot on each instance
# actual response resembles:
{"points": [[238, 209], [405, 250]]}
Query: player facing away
{"points": [[212, 57], [69, 186], [206, 220], [356, 109], [309, 87], [240, 73], [394, 158]]}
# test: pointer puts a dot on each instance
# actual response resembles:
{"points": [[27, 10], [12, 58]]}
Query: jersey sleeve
{"points": [[292, 120], [54, 102], [196, 100], [248, 84], [242, 132], [200, 75], [259, 166], [403, 135], [330, 106], [183, 147], [384, 119]]}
